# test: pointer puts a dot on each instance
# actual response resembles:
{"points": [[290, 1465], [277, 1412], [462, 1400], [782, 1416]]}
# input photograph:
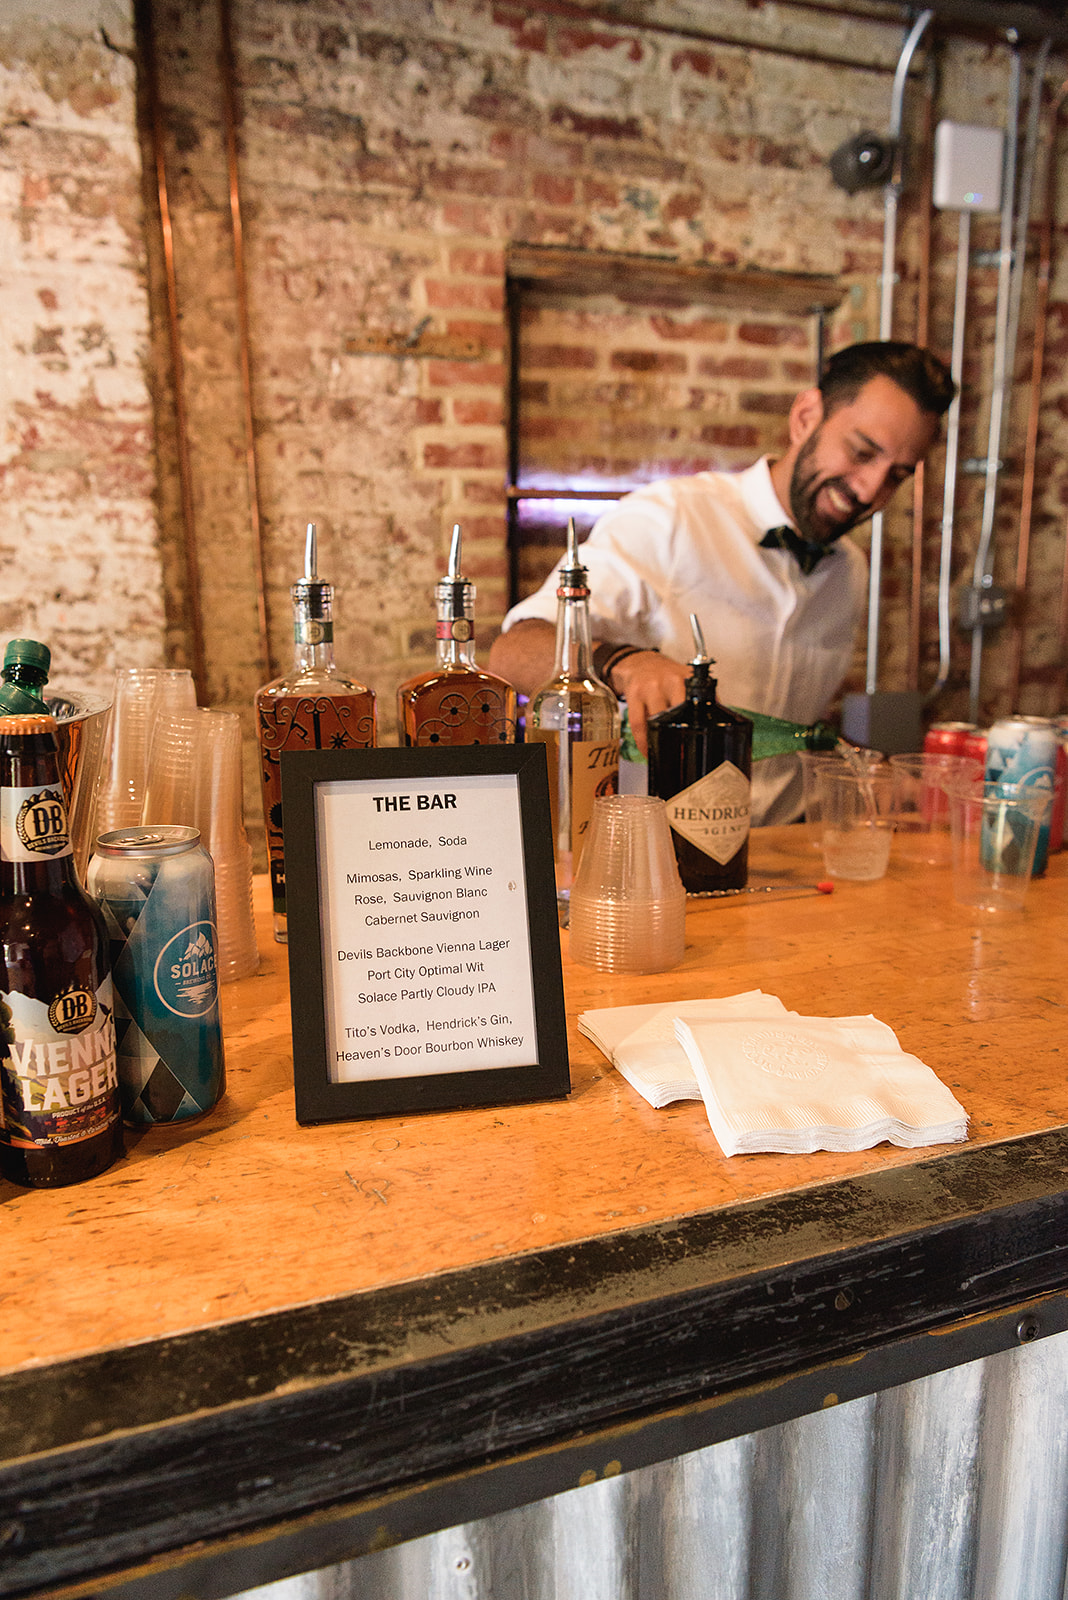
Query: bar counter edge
{"points": [[234, 1455]]}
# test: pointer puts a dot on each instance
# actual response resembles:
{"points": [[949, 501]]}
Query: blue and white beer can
{"points": [[156, 888], [1022, 751]]}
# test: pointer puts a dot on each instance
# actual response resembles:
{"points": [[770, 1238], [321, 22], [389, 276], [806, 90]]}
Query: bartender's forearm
{"points": [[525, 654], [648, 681]]}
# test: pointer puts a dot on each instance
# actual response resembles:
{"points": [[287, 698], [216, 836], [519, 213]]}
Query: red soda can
{"points": [[947, 738], [975, 746]]}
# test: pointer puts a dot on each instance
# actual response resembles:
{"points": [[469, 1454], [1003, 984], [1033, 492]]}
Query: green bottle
{"points": [[25, 673], [772, 736]]}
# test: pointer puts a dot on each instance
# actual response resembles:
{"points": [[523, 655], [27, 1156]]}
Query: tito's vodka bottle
{"points": [[315, 708], [577, 717], [456, 702], [699, 763]]}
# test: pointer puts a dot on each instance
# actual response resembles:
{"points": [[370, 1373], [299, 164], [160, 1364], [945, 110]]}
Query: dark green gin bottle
{"points": [[700, 759]]}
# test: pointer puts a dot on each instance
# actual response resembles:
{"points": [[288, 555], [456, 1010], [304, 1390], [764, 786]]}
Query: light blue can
{"points": [[1022, 752], [156, 888]]}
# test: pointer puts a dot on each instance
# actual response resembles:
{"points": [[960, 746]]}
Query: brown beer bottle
{"points": [[59, 1092]]}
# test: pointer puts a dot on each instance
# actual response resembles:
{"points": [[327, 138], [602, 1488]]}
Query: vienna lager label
{"points": [[713, 813], [57, 1073], [33, 824]]}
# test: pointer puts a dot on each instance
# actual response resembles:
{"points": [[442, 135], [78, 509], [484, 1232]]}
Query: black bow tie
{"points": [[807, 554]]}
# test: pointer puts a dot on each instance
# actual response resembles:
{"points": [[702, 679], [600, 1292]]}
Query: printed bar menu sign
{"points": [[421, 904]]}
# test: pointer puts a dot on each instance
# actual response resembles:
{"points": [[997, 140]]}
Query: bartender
{"points": [[760, 555]]}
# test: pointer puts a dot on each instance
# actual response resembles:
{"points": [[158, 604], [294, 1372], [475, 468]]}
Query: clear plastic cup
{"points": [[628, 905], [171, 787], [812, 763], [921, 803], [995, 830], [122, 791], [145, 699], [219, 816], [857, 810]]}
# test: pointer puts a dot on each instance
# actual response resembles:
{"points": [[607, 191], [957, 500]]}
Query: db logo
{"points": [[72, 1011], [42, 823]]}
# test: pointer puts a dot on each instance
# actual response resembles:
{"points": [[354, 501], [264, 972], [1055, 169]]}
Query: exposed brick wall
{"points": [[390, 155], [78, 535], [613, 395]]}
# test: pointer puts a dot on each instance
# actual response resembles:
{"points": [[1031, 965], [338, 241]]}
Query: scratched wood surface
{"points": [[245, 1213]]}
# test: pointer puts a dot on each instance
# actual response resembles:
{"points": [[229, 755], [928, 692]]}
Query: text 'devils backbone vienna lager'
{"points": [[156, 888], [59, 1098]]}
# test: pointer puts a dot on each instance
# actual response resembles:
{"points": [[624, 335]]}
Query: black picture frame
{"points": [[319, 1098]]}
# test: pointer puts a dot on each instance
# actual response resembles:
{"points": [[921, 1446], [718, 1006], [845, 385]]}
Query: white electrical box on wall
{"points": [[968, 164]]}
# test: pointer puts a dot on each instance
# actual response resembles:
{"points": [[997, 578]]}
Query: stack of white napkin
{"points": [[774, 1080]]}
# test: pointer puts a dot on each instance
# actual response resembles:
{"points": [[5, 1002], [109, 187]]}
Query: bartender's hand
{"points": [[648, 682]]}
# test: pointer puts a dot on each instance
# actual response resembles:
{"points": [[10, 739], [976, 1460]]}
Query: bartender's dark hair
{"points": [[919, 372]]}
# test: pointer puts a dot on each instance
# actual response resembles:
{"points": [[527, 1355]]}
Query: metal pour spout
{"points": [[701, 656], [311, 555]]}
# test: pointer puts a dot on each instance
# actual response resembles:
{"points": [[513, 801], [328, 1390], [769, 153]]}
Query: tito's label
{"points": [[57, 1067], [713, 813], [33, 824]]}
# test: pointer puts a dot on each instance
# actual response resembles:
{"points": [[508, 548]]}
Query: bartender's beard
{"points": [[806, 485]]}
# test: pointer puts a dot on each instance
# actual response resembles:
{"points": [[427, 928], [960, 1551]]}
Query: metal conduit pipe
{"points": [[923, 311], [1038, 350], [886, 317], [1000, 376], [949, 490]]}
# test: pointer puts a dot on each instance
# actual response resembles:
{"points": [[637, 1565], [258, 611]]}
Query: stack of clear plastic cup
{"points": [[218, 815], [171, 789], [139, 693], [628, 905]]}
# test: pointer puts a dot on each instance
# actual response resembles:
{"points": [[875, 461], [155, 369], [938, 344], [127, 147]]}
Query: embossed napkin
{"points": [[773, 1080], [641, 1044], [794, 1084]]}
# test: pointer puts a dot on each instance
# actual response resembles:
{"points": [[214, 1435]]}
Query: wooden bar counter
{"points": [[252, 1348]]}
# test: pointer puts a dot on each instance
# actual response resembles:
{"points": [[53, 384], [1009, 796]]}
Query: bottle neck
{"points": [[28, 677], [16, 699], [313, 629], [35, 852], [700, 685], [574, 646], [456, 625]]}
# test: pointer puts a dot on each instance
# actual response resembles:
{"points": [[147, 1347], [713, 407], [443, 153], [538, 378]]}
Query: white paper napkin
{"points": [[795, 1084], [641, 1044]]}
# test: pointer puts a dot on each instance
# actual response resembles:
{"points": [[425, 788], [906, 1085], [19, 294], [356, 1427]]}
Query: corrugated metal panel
{"points": [[951, 1488]]}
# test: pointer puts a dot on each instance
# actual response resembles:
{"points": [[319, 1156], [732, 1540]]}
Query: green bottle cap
{"points": [[28, 653]]}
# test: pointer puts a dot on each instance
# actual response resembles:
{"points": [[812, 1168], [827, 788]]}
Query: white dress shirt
{"points": [[782, 642]]}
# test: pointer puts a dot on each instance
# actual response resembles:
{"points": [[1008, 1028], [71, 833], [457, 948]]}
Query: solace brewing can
{"points": [[1022, 751], [156, 888]]}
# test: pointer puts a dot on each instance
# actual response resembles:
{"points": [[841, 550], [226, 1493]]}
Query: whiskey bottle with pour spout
{"points": [[700, 760], [316, 707], [577, 717], [456, 702]]}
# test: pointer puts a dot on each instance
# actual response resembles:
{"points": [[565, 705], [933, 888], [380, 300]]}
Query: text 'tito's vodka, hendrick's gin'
{"points": [[700, 758]]}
